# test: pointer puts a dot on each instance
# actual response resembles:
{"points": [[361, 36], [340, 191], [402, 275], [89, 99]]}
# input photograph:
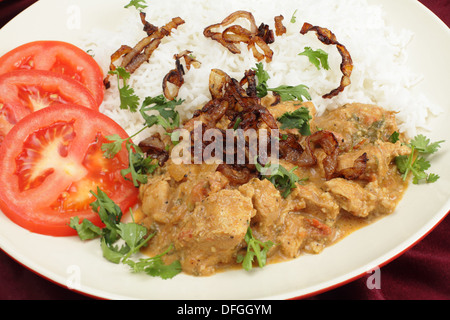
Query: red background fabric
{"points": [[421, 273]]}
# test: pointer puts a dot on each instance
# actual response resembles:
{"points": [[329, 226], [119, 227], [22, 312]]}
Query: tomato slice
{"points": [[49, 162], [23, 92], [60, 57]]}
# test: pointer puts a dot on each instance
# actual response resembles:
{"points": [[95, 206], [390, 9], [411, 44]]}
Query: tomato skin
{"points": [[35, 208], [60, 57], [24, 91]]}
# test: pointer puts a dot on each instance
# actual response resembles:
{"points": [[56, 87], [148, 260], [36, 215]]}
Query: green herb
{"points": [[86, 229], [263, 77], [281, 178], [167, 117], [154, 266], [299, 119], [138, 4], [394, 137], [120, 241], [140, 165], [294, 18], [316, 57], [287, 93], [255, 249], [236, 124], [416, 163], [128, 99]]}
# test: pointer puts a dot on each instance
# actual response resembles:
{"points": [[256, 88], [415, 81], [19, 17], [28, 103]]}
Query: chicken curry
{"points": [[345, 179]]}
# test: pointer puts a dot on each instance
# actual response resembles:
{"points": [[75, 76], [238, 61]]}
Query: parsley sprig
{"points": [[287, 93], [416, 162], [255, 249], [119, 241]]}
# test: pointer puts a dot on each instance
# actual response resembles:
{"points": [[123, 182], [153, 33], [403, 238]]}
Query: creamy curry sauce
{"points": [[205, 218]]}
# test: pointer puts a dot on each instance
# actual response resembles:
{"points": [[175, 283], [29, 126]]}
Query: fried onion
{"points": [[133, 58], [280, 29], [174, 79], [256, 37], [327, 37]]}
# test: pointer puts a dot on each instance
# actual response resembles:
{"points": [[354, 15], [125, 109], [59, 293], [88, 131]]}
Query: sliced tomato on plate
{"points": [[60, 57], [23, 92], [49, 163]]}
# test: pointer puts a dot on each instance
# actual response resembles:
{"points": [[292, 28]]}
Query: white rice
{"points": [[380, 75]]}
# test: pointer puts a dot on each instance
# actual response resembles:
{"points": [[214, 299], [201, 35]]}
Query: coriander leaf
{"points": [[261, 74], [112, 148], [432, 178], [138, 4], [402, 163], [112, 252], [423, 145], [131, 237], [109, 212], [128, 99], [86, 229], [139, 166], [159, 269], [167, 116], [415, 163], [294, 18], [255, 249], [281, 178], [262, 77], [155, 267], [316, 57], [394, 137], [289, 93], [133, 234], [299, 119]]}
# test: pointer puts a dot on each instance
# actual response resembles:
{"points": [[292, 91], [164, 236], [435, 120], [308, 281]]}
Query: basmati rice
{"points": [[380, 75]]}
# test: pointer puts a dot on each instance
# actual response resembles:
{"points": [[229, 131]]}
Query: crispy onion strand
{"points": [[327, 37]]}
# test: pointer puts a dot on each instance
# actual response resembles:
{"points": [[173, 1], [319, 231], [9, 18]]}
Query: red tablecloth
{"points": [[423, 272]]}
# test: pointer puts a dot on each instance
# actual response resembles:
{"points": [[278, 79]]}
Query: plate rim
{"points": [[406, 244]]}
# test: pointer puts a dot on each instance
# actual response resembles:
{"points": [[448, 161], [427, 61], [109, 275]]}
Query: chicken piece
{"points": [[355, 124], [212, 233], [155, 197], [318, 202], [380, 155], [352, 197], [303, 234], [266, 200], [292, 239]]}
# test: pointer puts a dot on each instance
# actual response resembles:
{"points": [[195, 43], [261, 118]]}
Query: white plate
{"points": [[69, 262]]}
